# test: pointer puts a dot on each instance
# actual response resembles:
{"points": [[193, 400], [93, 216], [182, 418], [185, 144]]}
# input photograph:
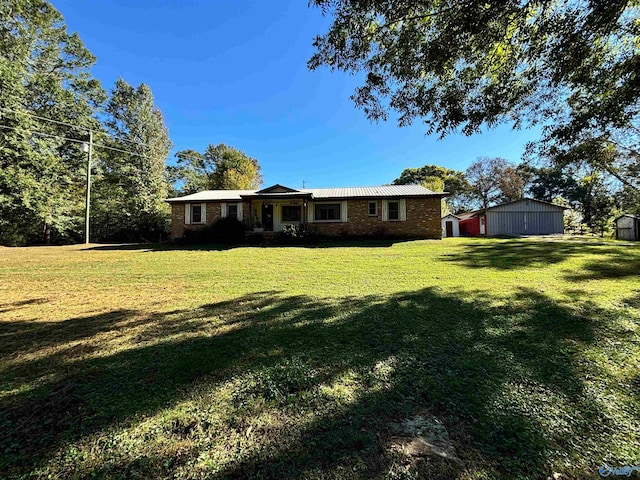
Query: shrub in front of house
{"points": [[223, 230], [292, 235]]}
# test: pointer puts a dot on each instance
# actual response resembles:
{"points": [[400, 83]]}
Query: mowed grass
{"points": [[144, 362]]}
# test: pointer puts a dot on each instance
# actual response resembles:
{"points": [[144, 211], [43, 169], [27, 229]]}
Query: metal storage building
{"points": [[526, 216], [628, 227]]}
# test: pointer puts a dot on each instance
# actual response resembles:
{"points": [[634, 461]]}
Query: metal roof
{"points": [[635, 217], [468, 215], [527, 199], [383, 191], [473, 213], [212, 195], [372, 192]]}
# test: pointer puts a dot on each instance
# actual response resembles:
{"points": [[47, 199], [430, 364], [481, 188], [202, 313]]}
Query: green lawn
{"points": [[138, 362]]}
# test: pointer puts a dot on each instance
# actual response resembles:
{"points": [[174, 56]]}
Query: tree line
{"points": [[49, 102], [489, 181]]}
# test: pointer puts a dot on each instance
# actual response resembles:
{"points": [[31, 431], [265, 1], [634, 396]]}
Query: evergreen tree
{"points": [[131, 186], [44, 72]]}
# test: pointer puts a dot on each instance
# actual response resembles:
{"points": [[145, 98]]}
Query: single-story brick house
{"points": [[402, 210]]}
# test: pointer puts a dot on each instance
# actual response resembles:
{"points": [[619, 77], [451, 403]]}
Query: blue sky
{"points": [[235, 73]]}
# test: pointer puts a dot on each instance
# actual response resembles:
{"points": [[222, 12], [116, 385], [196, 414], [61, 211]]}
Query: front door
{"points": [[267, 216], [449, 228]]}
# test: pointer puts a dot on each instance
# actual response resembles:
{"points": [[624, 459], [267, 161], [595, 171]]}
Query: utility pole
{"points": [[88, 148]]}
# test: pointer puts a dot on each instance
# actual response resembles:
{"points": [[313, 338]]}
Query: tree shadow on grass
{"points": [[460, 359], [619, 261], [8, 307], [337, 243]]}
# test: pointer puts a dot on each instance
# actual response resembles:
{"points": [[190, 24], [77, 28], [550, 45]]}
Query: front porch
{"points": [[271, 215]]}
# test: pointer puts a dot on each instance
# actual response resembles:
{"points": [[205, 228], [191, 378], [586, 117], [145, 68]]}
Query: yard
{"points": [[143, 362]]}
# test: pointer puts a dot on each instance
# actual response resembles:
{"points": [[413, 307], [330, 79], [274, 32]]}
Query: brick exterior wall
{"points": [[423, 220], [178, 226]]}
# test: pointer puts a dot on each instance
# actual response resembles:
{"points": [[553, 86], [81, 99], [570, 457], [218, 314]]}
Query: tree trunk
{"points": [[46, 233]]}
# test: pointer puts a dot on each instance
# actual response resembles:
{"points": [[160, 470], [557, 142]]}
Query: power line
{"points": [[45, 119], [89, 130], [75, 140], [45, 134], [70, 125]]}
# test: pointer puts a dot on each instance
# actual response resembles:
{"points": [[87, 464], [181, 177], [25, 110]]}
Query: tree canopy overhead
{"points": [[462, 64]]}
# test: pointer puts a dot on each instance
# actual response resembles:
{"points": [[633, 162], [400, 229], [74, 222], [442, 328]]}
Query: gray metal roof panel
{"points": [[212, 195], [379, 191], [317, 193]]}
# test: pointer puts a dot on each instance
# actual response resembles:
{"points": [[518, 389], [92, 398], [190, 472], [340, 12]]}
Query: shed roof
{"points": [[383, 191], [635, 217], [527, 199], [473, 213]]}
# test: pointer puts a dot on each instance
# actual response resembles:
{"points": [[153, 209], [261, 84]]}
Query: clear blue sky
{"points": [[235, 73]]}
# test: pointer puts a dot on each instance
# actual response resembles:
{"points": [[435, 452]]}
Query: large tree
{"points": [[453, 181], [220, 167], [460, 65], [131, 185], [44, 74], [586, 189], [494, 180]]}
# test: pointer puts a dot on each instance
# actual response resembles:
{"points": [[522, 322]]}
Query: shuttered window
{"points": [[232, 210], [327, 211], [394, 210], [196, 214]]}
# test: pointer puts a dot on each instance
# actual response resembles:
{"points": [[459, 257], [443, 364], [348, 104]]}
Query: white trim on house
{"points": [[239, 216], [311, 208], [188, 214], [402, 210], [343, 211]]}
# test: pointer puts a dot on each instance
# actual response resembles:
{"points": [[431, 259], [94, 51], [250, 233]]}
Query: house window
{"points": [[232, 210], [291, 213], [327, 211], [394, 210], [196, 213], [373, 209]]}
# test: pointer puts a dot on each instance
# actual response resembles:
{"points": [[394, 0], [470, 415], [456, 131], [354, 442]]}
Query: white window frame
{"points": [[229, 205], [224, 210], [389, 202], [188, 213], [343, 211], [402, 210], [375, 203]]}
